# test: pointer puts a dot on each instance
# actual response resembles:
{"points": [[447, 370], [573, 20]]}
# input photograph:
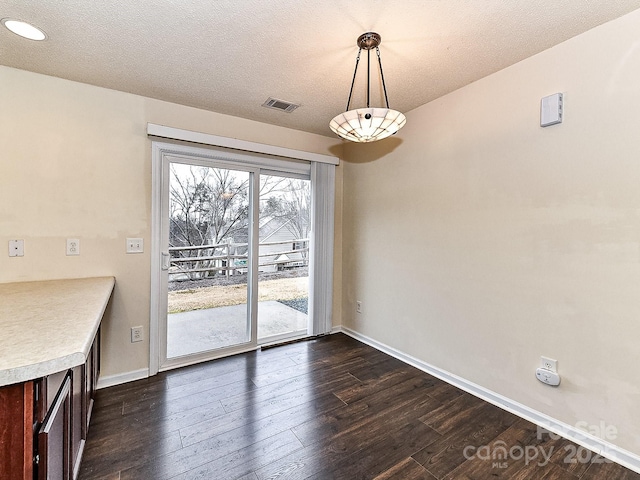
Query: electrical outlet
{"points": [[135, 245], [549, 364], [137, 334], [73, 246], [358, 306]]}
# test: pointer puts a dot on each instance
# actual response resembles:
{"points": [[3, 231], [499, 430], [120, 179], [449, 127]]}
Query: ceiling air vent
{"points": [[280, 105]]}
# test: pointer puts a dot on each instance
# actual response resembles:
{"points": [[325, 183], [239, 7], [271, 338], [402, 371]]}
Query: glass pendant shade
{"points": [[367, 124]]}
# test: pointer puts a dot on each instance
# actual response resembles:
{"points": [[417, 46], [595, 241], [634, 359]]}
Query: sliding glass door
{"points": [[283, 265], [234, 249], [209, 258]]}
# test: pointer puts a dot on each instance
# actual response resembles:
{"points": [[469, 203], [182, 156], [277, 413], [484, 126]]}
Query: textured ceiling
{"points": [[229, 56]]}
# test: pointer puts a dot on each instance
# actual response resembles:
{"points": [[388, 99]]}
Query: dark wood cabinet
{"points": [[44, 422], [50, 365], [17, 418]]}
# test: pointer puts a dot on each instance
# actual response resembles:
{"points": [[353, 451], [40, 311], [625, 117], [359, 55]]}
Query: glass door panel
{"points": [[283, 265], [208, 262]]}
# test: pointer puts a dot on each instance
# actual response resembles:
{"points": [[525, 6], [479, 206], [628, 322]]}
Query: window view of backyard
{"points": [[209, 244]]}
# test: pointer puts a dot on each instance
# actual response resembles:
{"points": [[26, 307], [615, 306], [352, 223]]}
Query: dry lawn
{"points": [[223, 296]]}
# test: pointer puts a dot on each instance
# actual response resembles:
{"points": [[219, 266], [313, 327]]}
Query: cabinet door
{"points": [[16, 431], [54, 438]]}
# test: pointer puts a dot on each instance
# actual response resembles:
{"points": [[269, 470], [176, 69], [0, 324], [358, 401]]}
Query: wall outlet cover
{"points": [[549, 364], [73, 246], [137, 334]]}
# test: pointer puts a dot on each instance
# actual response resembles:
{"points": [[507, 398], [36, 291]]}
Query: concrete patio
{"points": [[201, 330]]}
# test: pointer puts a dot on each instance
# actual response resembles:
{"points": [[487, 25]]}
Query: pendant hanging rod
{"points": [[384, 87], [354, 78], [368, 76]]}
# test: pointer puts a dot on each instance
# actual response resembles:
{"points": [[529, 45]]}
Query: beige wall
{"points": [[478, 241], [75, 161]]}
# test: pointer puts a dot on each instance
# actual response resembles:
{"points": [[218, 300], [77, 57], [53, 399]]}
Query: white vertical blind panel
{"points": [[321, 272]]}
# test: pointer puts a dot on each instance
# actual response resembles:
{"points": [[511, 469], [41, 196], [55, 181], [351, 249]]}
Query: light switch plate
{"points": [[135, 245], [16, 248]]}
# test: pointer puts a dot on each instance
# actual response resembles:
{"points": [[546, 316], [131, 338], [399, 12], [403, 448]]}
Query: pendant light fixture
{"points": [[368, 124]]}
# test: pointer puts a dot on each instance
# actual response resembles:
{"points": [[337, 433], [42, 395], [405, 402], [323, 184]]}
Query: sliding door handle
{"points": [[166, 259]]}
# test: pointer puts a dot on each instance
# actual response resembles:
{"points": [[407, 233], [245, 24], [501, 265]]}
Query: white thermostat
{"points": [[551, 110]]}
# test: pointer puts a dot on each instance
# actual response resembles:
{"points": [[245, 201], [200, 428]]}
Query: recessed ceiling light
{"points": [[24, 29]]}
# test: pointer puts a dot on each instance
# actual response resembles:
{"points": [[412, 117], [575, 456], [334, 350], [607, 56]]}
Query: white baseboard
{"points": [[593, 443], [111, 380]]}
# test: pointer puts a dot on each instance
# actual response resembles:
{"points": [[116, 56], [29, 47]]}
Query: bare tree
{"points": [[207, 205], [188, 204], [229, 206], [210, 206], [293, 204], [298, 207]]}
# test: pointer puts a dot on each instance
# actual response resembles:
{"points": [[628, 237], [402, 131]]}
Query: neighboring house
{"points": [[283, 242], [281, 248]]}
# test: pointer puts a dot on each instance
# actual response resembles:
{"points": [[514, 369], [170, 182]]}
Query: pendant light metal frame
{"points": [[368, 124]]}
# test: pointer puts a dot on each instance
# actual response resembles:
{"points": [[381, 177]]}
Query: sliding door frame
{"points": [[220, 150], [203, 160]]}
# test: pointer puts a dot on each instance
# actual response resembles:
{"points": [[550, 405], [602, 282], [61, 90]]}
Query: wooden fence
{"points": [[205, 261]]}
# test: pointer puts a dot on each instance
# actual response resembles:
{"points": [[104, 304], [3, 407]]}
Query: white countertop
{"points": [[49, 326]]}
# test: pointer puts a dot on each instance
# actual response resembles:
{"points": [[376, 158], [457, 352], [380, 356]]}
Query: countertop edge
{"points": [[25, 373], [98, 320]]}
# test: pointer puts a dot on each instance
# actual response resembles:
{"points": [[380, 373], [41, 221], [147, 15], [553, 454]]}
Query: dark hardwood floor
{"points": [[331, 408]]}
